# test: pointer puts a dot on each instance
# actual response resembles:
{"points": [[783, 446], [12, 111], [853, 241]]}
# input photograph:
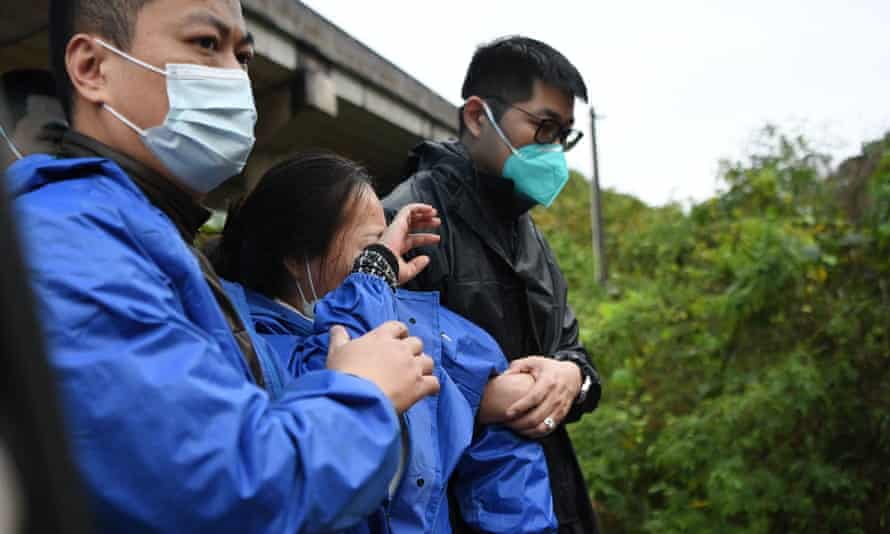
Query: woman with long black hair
{"points": [[310, 249]]}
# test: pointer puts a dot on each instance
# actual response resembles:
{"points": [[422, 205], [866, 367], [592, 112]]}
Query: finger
{"points": [[407, 213], [534, 397], [558, 416], [543, 429], [415, 345], [421, 240], [394, 234], [339, 337], [409, 270], [535, 418], [424, 223], [393, 329], [561, 412], [513, 371], [429, 385], [420, 209], [532, 433], [521, 366], [426, 364]]}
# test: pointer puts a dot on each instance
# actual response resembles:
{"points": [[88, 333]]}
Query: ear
{"points": [[474, 115], [86, 64]]}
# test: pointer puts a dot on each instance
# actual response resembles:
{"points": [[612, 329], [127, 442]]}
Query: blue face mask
{"points": [[207, 135], [540, 172]]}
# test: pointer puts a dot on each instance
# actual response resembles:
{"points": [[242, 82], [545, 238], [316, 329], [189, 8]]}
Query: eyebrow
{"points": [[208, 18], [551, 114]]}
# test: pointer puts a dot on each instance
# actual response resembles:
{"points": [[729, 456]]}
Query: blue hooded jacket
{"points": [[168, 429], [500, 480]]}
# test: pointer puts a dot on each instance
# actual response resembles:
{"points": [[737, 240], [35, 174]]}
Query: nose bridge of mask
{"points": [[216, 90]]}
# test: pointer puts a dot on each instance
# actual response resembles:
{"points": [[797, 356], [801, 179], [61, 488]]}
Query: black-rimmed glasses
{"points": [[550, 131]]}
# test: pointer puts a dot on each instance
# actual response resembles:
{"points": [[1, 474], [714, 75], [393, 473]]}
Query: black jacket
{"points": [[495, 268]]}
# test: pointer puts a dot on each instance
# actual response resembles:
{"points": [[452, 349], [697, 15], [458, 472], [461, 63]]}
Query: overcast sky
{"points": [[681, 84]]}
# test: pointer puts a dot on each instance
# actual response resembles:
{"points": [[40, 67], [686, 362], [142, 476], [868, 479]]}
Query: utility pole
{"points": [[596, 214]]}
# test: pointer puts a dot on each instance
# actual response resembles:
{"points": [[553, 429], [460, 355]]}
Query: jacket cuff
{"points": [[377, 260]]}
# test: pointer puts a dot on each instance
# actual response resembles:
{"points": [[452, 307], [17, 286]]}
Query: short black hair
{"points": [[507, 68], [114, 20], [294, 213]]}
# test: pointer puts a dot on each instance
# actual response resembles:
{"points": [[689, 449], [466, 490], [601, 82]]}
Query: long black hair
{"points": [[294, 213]]}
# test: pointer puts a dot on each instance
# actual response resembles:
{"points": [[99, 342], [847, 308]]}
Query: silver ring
{"points": [[550, 423]]}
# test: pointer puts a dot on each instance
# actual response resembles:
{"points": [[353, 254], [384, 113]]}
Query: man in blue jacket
{"points": [[180, 418]]}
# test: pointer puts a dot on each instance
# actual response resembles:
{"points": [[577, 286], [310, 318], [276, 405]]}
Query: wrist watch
{"points": [[585, 388]]}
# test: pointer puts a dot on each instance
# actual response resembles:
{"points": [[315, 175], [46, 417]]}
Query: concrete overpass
{"points": [[315, 86]]}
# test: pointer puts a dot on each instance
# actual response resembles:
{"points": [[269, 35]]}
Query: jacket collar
{"points": [[470, 200], [273, 317], [187, 214], [497, 194]]}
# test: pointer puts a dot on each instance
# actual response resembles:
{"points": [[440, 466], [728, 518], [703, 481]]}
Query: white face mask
{"points": [[207, 135], [308, 306]]}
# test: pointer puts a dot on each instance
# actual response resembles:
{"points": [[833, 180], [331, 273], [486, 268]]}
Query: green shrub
{"points": [[744, 347]]}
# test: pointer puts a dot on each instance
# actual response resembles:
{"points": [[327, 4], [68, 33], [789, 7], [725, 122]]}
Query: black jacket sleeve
{"points": [[570, 349]]}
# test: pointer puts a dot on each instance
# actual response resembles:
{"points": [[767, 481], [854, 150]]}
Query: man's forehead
{"points": [[553, 102], [231, 9], [220, 13], [227, 12]]}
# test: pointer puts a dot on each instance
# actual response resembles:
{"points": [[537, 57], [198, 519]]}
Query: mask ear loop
{"points": [[128, 57], [300, 291], [15, 151], [497, 128], [311, 283], [124, 120], [142, 64]]}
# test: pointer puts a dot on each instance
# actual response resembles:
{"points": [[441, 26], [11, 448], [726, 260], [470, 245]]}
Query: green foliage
{"points": [[745, 348]]}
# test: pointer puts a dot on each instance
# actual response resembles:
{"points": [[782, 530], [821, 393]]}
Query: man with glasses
{"points": [[492, 265]]}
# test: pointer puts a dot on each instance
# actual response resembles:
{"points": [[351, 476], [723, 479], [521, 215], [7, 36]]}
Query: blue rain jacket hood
{"points": [[168, 428]]}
